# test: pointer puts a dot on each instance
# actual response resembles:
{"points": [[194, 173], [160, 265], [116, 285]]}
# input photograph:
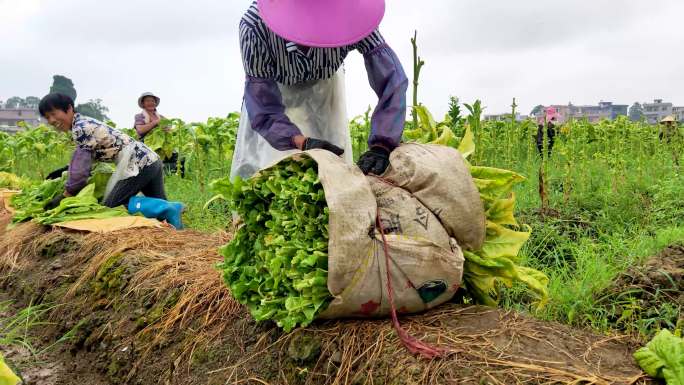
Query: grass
{"points": [[16, 326], [614, 202], [215, 217]]}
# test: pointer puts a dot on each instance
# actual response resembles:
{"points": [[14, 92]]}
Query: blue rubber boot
{"points": [[160, 209]]}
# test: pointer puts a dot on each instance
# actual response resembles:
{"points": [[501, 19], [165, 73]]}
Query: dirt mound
{"points": [[148, 307], [649, 297]]}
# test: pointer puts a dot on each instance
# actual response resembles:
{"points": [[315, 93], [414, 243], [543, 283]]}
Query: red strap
{"points": [[414, 345]]}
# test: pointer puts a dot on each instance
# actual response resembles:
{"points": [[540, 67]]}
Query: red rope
{"points": [[414, 345]]}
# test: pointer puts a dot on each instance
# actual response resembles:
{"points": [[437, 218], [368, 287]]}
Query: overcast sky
{"points": [[540, 51]]}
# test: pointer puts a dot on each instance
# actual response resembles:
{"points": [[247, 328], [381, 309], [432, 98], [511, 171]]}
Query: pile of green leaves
{"points": [[30, 203], [497, 262], [663, 358], [277, 262], [32, 200], [82, 206]]}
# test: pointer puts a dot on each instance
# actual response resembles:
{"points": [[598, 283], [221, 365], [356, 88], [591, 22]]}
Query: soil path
{"points": [[147, 307]]}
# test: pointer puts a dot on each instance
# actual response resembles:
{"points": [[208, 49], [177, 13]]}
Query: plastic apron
{"points": [[318, 108], [125, 168]]}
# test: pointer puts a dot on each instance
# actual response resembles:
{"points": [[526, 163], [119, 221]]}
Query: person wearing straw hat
{"points": [[668, 129], [147, 120], [293, 53]]}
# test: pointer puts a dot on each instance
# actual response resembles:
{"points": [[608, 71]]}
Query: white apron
{"points": [[318, 108]]}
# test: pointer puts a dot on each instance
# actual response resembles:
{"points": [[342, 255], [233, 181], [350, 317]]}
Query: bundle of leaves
{"points": [[497, 263], [30, 203], [82, 206], [277, 263]]}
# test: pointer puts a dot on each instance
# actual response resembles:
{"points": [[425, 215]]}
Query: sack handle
{"points": [[414, 345]]}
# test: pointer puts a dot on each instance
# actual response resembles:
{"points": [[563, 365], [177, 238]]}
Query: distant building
{"points": [[505, 117], [678, 113], [604, 110], [656, 111], [10, 118]]}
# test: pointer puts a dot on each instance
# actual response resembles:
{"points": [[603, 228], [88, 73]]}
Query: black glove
{"points": [[375, 160], [312, 143], [57, 173], [54, 202]]}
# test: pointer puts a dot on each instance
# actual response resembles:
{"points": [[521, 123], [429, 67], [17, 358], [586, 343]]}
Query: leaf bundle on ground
{"points": [[277, 262]]}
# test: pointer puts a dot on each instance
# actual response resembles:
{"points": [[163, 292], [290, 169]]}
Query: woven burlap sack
{"points": [[425, 265], [439, 177]]}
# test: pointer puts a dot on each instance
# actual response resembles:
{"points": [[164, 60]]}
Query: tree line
{"points": [[62, 84]]}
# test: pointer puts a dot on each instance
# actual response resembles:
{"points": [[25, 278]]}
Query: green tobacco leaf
{"points": [[427, 123], [7, 376], [82, 206], [501, 241], [663, 358], [32, 200], [536, 281], [500, 211], [467, 145], [446, 138], [494, 182]]}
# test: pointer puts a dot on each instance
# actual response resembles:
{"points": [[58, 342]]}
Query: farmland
{"points": [[601, 204]]}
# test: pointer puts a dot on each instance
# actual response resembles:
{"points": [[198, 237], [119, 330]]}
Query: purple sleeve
{"points": [[387, 78], [139, 121], [79, 170], [267, 113]]}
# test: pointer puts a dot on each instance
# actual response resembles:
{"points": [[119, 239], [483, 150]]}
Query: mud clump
{"points": [[650, 296]]}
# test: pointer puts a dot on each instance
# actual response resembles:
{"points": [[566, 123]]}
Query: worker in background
{"points": [[147, 120], [138, 169], [294, 98], [550, 135], [669, 129], [670, 133]]}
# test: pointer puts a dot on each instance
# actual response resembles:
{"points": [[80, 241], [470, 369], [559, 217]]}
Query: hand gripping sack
{"points": [[439, 177]]}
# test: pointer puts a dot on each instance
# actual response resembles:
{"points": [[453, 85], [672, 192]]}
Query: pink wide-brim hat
{"points": [[322, 23]]}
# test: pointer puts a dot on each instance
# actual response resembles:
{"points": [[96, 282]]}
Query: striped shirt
{"points": [[269, 59], [269, 56]]}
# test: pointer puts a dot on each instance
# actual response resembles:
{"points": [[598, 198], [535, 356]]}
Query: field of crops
{"points": [[606, 198]]}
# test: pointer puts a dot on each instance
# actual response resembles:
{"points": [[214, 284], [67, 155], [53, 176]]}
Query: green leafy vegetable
{"points": [[31, 201], [663, 358], [82, 206], [277, 262]]}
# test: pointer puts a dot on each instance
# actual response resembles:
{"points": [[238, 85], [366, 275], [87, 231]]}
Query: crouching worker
{"points": [[138, 169]]}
